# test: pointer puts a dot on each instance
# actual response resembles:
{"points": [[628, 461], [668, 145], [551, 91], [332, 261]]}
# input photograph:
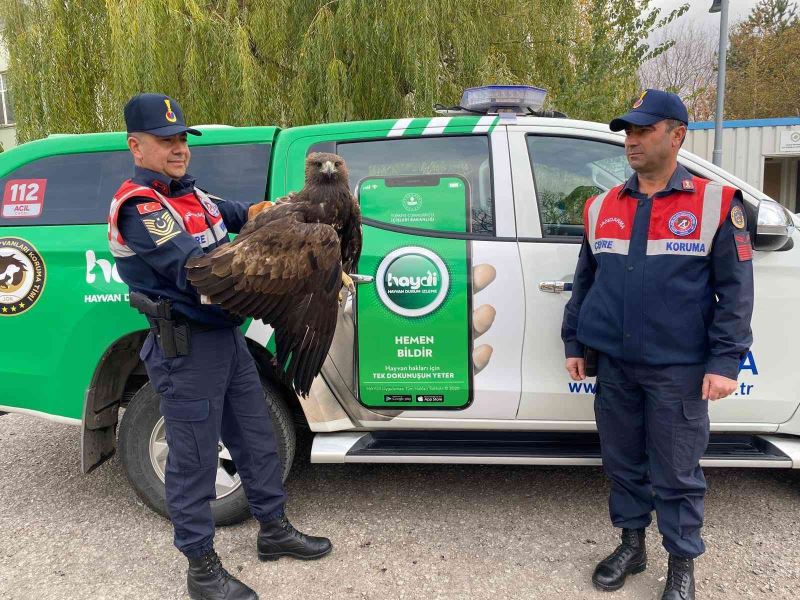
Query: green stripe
{"points": [[458, 124], [417, 127]]}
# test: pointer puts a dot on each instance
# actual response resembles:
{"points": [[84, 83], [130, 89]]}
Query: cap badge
{"points": [[171, 117], [638, 103]]}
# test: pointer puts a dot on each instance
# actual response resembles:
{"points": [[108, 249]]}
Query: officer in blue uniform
{"points": [[196, 356], [663, 297]]}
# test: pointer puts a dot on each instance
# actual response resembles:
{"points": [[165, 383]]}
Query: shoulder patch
{"points": [[162, 227], [737, 217], [148, 207], [744, 250]]}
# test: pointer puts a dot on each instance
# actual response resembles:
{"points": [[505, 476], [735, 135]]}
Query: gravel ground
{"points": [[399, 531]]}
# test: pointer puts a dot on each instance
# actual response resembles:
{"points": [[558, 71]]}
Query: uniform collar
{"points": [[681, 181], [163, 184]]}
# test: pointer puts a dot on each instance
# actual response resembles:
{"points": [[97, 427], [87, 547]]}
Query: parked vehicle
{"points": [[451, 354]]}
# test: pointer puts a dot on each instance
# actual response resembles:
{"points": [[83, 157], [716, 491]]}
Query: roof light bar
{"points": [[519, 99]]}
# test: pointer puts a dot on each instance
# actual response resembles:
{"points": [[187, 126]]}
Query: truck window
{"points": [[76, 189], [464, 156], [567, 172]]}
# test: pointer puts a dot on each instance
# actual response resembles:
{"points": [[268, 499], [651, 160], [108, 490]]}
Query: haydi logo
{"points": [[106, 268], [412, 281], [429, 281]]}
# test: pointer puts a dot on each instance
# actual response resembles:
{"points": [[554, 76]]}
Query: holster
{"points": [[172, 337], [590, 361]]}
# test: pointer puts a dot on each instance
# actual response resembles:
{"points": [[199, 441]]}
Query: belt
{"points": [[193, 326]]}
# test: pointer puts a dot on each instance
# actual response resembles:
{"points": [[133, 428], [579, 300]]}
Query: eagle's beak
{"points": [[328, 168]]}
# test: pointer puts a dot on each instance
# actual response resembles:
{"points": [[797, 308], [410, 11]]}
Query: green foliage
{"points": [[73, 64], [771, 16], [763, 73]]}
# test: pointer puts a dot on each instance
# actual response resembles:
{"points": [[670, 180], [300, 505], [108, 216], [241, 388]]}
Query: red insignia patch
{"points": [[744, 250], [688, 184], [148, 207], [159, 186]]}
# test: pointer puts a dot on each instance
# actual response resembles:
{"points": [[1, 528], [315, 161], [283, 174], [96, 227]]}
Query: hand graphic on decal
{"points": [[482, 317]]}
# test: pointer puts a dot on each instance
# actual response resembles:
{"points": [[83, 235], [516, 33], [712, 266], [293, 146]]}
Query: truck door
{"points": [[435, 336], [555, 170]]}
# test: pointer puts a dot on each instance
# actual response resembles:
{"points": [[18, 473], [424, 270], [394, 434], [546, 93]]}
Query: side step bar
{"points": [[530, 448]]}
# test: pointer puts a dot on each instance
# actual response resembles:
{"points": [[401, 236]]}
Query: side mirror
{"points": [[773, 227]]}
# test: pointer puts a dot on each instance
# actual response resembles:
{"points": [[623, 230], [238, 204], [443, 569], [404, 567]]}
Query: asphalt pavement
{"points": [[405, 531]]}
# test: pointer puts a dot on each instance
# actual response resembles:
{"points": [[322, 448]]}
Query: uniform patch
{"points": [[683, 223], [737, 217], [162, 228], [159, 186], [209, 206], [148, 207], [688, 185], [638, 103], [744, 249]]}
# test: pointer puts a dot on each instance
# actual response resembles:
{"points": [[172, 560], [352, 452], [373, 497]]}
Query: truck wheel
{"points": [[143, 451]]}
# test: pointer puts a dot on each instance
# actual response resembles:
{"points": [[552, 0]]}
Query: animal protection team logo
{"points": [[683, 223], [22, 276]]}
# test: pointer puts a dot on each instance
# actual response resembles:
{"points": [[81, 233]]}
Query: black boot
{"points": [[278, 538], [680, 579], [207, 579], [629, 558]]}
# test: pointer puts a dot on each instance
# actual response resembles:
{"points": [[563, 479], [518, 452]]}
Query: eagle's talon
{"points": [[348, 282]]}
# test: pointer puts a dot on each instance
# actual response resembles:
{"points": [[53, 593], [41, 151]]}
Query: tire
{"points": [[142, 427]]}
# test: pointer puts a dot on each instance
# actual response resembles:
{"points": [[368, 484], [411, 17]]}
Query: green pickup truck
{"points": [[450, 353]]}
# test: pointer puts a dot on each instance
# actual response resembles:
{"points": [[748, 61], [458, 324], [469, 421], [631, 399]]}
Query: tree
{"points": [[763, 70], [686, 69], [771, 16], [291, 62]]}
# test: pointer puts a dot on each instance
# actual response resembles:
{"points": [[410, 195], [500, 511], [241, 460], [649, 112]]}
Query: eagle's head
{"points": [[325, 168]]}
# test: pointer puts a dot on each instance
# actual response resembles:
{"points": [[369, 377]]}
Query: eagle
{"points": [[288, 265]]}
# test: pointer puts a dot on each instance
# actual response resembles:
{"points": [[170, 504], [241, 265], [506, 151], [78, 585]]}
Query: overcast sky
{"points": [[698, 11]]}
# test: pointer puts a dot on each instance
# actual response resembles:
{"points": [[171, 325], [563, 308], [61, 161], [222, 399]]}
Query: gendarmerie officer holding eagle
{"points": [[196, 355]]}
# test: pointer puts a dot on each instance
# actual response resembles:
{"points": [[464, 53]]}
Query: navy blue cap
{"points": [[651, 107], [156, 114]]}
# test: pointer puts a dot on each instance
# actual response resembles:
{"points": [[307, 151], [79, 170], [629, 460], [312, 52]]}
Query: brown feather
{"points": [[285, 267]]}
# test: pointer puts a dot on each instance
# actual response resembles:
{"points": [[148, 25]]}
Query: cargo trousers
{"points": [[214, 393], [654, 428]]}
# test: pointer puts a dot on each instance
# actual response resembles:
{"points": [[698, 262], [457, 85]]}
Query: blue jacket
{"points": [[664, 280], [155, 262]]}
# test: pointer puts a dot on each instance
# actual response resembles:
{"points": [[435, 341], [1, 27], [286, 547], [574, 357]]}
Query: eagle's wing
{"points": [[267, 215], [287, 273]]}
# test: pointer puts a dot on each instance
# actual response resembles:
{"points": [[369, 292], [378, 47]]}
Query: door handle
{"points": [[555, 287], [361, 278]]}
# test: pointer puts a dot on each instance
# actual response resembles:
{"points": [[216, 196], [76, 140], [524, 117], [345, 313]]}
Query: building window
{"points": [[6, 110]]}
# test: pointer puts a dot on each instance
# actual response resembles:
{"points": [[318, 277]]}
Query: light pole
{"points": [[720, 6]]}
